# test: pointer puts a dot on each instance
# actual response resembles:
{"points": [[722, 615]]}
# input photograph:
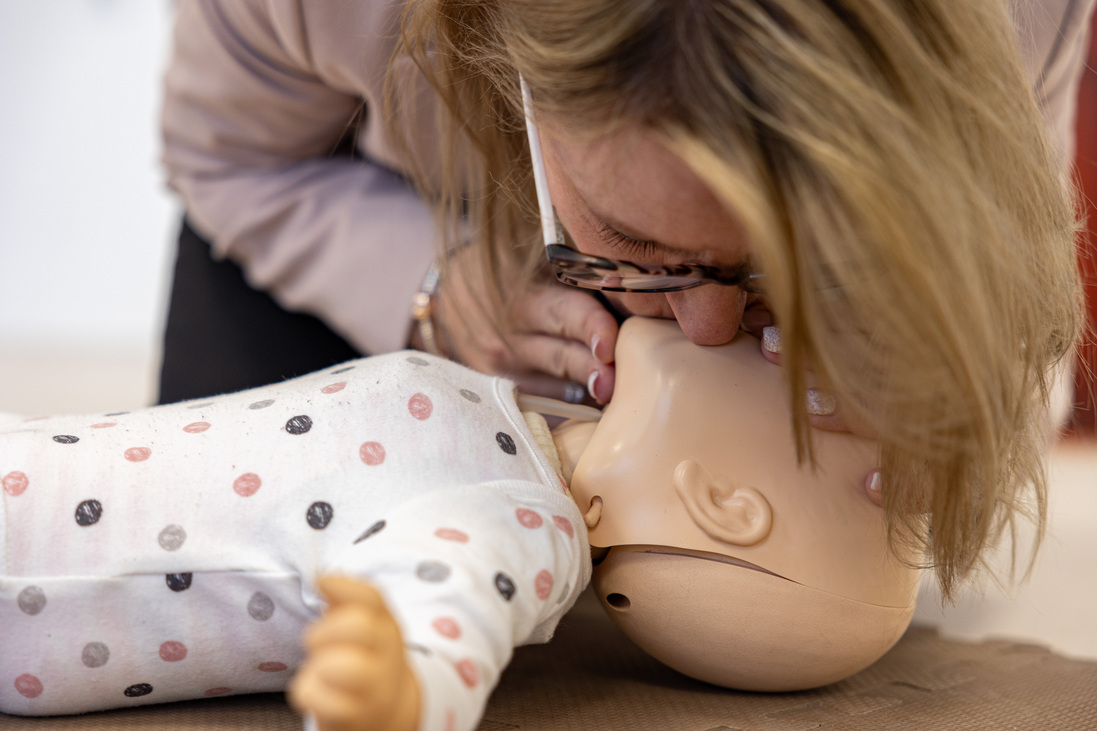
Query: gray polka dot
{"points": [[432, 571], [415, 360], [32, 600], [343, 370], [172, 537], [261, 404], [260, 606], [202, 405], [471, 395], [95, 654]]}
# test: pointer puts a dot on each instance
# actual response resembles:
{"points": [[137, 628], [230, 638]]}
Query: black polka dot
{"points": [[179, 582], [506, 443], [375, 528], [319, 515], [89, 512], [66, 439], [261, 404], [504, 585], [299, 424], [470, 395], [342, 370], [138, 690]]}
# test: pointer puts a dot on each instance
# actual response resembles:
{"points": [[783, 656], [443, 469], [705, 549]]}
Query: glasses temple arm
{"points": [[540, 180]]}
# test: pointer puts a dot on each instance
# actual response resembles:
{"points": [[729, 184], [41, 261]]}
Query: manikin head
{"points": [[728, 560]]}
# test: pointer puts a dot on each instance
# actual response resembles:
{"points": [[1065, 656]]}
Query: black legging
{"points": [[222, 335]]}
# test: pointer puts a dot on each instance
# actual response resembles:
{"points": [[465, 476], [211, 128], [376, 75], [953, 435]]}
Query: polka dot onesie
{"points": [[172, 553]]}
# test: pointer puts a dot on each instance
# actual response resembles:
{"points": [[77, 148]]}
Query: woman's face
{"points": [[625, 196]]}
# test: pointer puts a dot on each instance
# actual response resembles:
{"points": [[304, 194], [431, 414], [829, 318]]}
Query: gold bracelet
{"points": [[422, 309]]}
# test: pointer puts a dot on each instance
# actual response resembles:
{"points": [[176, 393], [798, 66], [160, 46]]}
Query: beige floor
{"points": [[1056, 607]]}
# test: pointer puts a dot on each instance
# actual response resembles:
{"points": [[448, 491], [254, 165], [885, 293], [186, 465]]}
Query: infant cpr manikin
{"points": [[726, 559]]}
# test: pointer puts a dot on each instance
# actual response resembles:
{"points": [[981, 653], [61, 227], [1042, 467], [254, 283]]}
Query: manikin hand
{"points": [[559, 336], [356, 676]]}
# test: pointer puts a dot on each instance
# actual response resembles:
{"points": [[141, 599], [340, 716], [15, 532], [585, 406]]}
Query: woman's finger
{"points": [[568, 314], [569, 361], [771, 344]]}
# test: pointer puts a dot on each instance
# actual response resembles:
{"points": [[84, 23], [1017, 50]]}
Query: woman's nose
{"points": [[709, 314]]}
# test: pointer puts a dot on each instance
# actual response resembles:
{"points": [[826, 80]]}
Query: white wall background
{"points": [[86, 224]]}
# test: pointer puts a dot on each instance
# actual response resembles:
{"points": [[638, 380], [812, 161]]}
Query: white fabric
{"points": [[193, 571]]}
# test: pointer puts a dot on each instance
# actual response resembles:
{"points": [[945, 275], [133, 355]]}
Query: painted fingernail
{"points": [[874, 481], [591, 381], [771, 339], [820, 403], [594, 341], [574, 393]]}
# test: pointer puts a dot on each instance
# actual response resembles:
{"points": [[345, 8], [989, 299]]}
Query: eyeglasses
{"points": [[595, 272]]}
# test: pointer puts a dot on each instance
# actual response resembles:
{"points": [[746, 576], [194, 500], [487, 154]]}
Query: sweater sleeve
{"points": [[257, 96], [470, 573], [1053, 37]]}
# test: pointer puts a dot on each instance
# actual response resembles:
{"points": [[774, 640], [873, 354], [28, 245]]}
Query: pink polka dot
{"points": [[528, 518], [447, 627], [563, 485], [372, 453], [247, 484], [138, 454], [15, 483], [452, 534], [420, 406], [35, 418], [334, 387], [173, 651], [104, 425], [28, 686], [213, 692], [451, 720], [564, 524], [542, 584], [197, 427], [469, 674], [272, 667]]}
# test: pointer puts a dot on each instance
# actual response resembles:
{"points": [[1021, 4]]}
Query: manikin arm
{"points": [[467, 573], [356, 677]]}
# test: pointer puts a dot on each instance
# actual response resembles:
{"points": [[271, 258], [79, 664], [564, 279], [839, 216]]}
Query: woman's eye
{"points": [[628, 245]]}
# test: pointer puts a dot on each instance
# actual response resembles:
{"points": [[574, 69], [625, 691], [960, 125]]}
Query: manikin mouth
{"points": [[599, 554]]}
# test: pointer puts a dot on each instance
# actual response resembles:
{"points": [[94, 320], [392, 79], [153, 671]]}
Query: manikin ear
{"points": [[740, 516]]}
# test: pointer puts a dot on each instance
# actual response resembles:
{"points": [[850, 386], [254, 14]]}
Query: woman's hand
{"points": [[824, 412], [559, 342]]}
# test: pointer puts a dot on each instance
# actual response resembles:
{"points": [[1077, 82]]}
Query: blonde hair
{"points": [[890, 167]]}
